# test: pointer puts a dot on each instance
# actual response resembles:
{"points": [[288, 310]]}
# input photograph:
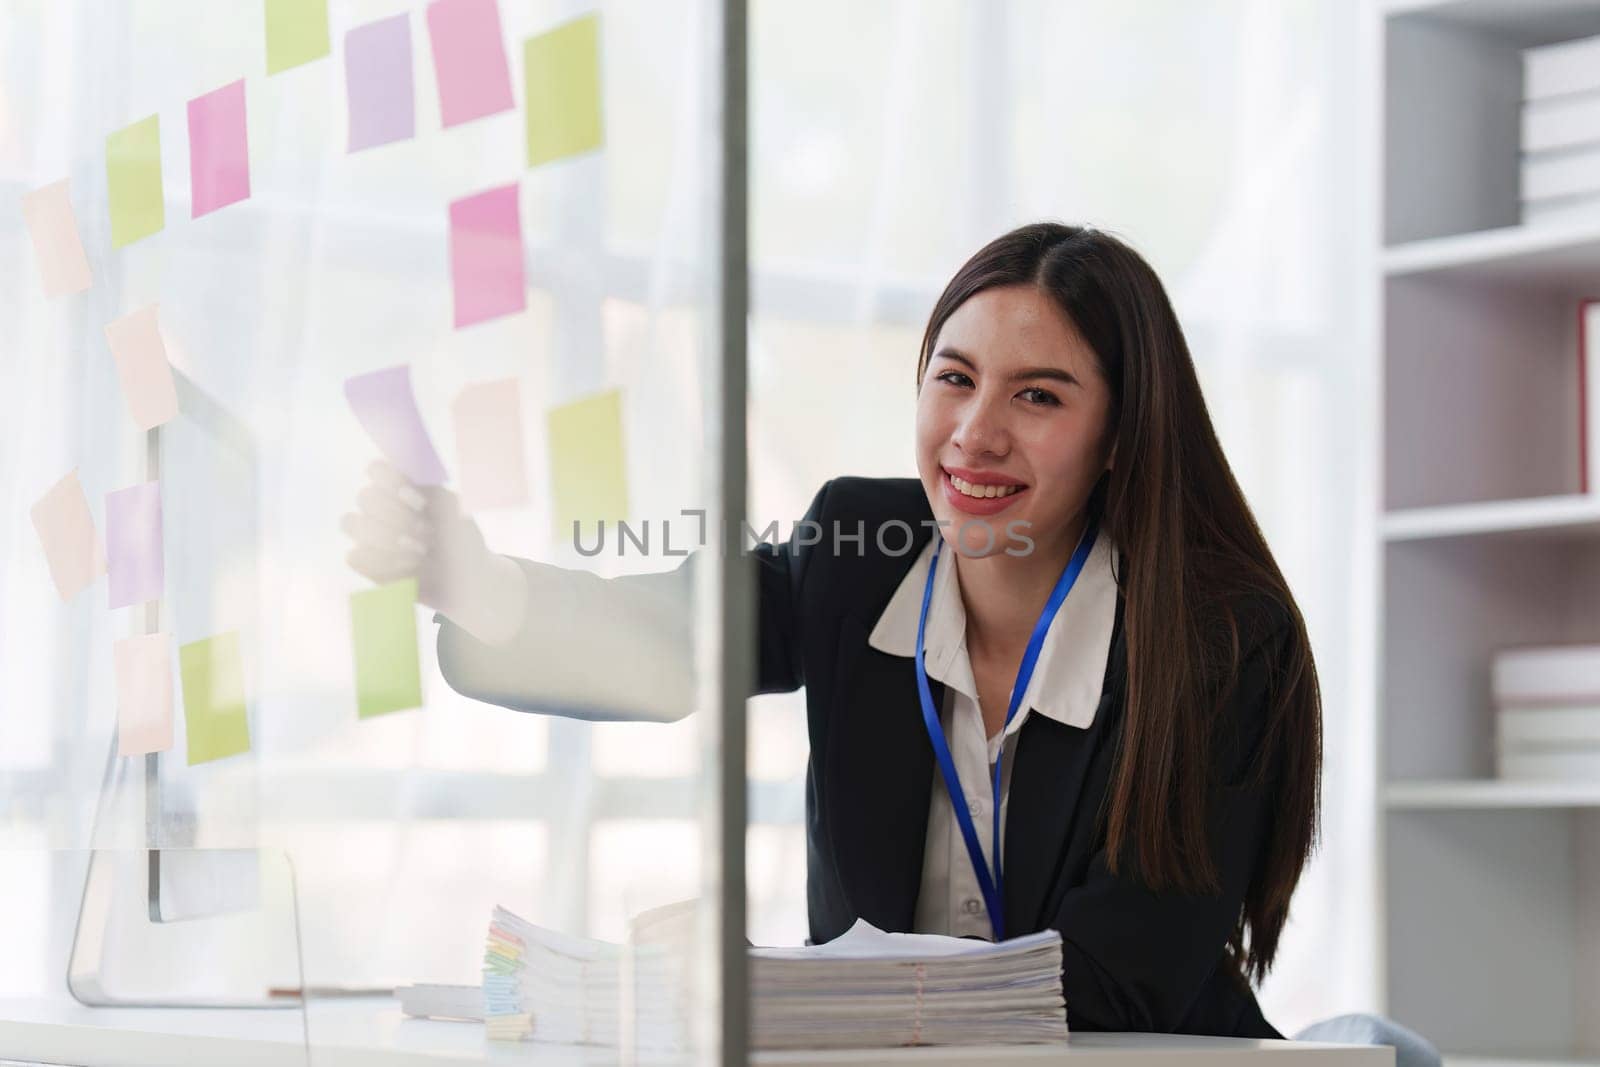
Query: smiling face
{"points": [[1012, 414]]}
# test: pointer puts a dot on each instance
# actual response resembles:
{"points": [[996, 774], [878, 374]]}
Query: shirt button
{"points": [[973, 906], [976, 807]]}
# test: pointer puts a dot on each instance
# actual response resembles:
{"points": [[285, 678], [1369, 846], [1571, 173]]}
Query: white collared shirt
{"points": [[1065, 687]]}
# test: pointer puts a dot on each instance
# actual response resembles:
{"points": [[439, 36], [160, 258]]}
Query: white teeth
{"points": [[982, 492]]}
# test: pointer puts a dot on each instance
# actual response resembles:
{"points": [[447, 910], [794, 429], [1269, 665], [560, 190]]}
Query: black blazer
{"points": [[1134, 959]]}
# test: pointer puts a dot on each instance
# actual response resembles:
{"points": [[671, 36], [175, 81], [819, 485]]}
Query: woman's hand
{"points": [[404, 531]]}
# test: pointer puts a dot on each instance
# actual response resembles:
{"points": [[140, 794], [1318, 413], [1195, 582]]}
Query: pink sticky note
{"points": [[66, 529], [143, 666], [387, 409], [469, 59], [488, 421], [133, 544], [219, 149], [142, 366], [63, 268], [486, 255], [377, 72]]}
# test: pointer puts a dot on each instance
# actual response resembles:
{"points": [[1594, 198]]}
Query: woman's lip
{"points": [[977, 505], [982, 477]]}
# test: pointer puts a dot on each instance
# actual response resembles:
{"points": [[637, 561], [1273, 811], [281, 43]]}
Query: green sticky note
{"points": [[297, 32], [561, 79], [383, 624], [588, 476], [133, 181], [213, 698]]}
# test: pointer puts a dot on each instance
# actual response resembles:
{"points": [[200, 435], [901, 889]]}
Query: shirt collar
{"points": [[1068, 677]]}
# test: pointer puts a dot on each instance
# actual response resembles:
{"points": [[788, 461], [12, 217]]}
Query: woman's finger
{"points": [[386, 507], [369, 532], [386, 475]]}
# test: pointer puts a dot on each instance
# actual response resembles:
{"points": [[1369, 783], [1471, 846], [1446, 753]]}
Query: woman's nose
{"points": [[982, 430]]}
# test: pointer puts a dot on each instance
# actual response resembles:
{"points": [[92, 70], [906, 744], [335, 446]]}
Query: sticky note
{"points": [[297, 32], [486, 255], [219, 149], [387, 409], [383, 625], [133, 181], [133, 544], [53, 227], [66, 530], [377, 77], [469, 59], [588, 477], [214, 715], [143, 666], [489, 446], [142, 367], [561, 98]]}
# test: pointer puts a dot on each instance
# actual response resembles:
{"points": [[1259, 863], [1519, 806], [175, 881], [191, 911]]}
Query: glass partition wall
{"points": [[530, 213]]}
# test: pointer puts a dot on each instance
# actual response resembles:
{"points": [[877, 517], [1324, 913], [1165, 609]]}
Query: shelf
{"points": [[1492, 794], [1520, 22], [1562, 255], [1577, 514]]}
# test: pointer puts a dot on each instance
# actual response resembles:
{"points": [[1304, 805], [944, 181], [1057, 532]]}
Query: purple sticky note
{"points": [[469, 59], [486, 255], [387, 409], [133, 544], [377, 74], [219, 149]]}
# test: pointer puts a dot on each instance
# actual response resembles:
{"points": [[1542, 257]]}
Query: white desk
{"points": [[370, 1032]]}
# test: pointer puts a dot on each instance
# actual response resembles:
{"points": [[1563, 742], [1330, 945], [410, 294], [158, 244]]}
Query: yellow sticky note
{"points": [[561, 79], [297, 32], [212, 673], [383, 626], [133, 181], [588, 473]]}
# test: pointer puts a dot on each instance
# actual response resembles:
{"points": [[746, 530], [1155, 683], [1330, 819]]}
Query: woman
{"points": [[1098, 622]]}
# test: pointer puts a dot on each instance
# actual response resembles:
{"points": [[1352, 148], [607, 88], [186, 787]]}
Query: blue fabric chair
{"points": [[1411, 1049]]}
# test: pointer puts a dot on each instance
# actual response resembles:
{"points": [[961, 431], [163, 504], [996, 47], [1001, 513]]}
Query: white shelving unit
{"points": [[1490, 888]]}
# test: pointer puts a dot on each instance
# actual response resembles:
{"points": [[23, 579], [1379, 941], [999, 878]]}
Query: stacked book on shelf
{"points": [[1561, 131], [865, 989], [1547, 713]]}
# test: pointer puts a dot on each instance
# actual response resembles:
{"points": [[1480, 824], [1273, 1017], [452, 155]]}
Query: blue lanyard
{"points": [[992, 884]]}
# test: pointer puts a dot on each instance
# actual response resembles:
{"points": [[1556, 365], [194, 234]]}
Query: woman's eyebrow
{"points": [[1052, 373]]}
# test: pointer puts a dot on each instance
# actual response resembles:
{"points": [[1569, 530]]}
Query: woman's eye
{"points": [[1035, 395], [955, 377]]}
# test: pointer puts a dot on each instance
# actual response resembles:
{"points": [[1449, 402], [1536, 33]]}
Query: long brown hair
{"points": [[1192, 554]]}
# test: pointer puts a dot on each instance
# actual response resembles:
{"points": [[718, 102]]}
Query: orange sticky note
{"points": [[63, 268], [66, 529], [143, 667], [142, 367], [488, 421]]}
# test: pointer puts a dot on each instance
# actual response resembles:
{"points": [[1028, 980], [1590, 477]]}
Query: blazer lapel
{"points": [[1047, 788], [878, 779]]}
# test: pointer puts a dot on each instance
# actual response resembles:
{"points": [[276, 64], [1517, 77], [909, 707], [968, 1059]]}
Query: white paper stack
{"points": [[1547, 720], [1561, 131], [870, 989], [541, 985]]}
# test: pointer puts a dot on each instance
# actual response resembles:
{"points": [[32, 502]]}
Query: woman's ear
{"points": [[1111, 460]]}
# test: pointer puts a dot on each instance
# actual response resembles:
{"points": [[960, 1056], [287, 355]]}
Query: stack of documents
{"points": [[870, 989], [1547, 712], [547, 986]]}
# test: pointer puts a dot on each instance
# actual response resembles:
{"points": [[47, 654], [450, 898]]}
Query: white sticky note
{"points": [[66, 530], [489, 446], [143, 668], [142, 368], [63, 268]]}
